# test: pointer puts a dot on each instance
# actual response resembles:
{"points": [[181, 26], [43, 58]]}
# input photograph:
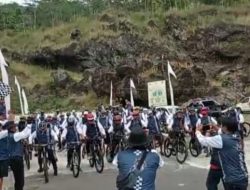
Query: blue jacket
{"points": [[43, 137], [177, 124], [128, 158], [104, 122], [92, 130], [15, 148], [72, 135], [193, 120], [153, 125], [4, 151], [135, 123], [232, 159]]}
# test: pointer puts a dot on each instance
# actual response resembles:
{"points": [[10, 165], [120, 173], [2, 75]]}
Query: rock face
{"points": [[207, 62], [61, 78]]}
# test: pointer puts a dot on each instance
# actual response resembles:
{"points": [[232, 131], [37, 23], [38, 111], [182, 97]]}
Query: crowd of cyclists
{"points": [[102, 133]]}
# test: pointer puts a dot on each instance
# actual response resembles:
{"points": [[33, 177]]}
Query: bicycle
{"points": [[27, 154], [45, 160], [195, 147], [176, 147], [96, 154], [75, 160], [118, 147]]}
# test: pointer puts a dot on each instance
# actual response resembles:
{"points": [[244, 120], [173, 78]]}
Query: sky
{"points": [[11, 1]]}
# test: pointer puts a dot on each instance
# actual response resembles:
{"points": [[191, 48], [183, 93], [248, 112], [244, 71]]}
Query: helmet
{"points": [[117, 119], [90, 117], [204, 111], [71, 120]]}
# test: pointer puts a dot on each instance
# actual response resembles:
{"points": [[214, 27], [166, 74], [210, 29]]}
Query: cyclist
{"points": [[205, 120], [45, 135], [15, 152], [91, 130], [192, 119], [117, 130], [104, 121], [135, 120], [21, 124], [177, 122], [72, 134], [207, 123]]}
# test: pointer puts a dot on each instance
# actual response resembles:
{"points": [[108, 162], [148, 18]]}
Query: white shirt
{"points": [[78, 129], [214, 142], [18, 135], [33, 136], [101, 129], [171, 122], [214, 122]]}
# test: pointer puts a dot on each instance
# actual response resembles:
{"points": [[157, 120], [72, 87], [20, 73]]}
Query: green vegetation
{"points": [[48, 23]]}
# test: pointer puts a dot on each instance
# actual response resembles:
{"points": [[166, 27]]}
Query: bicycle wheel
{"points": [[99, 162], [45, 168], [108, 154], [168, 147], [194, 148], [181, 152], [75, 164], [27, 158], [91, 160]]}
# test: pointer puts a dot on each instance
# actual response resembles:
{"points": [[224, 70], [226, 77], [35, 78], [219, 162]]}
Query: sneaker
{"points": [[40, 170]]}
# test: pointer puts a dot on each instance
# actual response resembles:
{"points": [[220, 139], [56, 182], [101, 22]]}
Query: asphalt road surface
{"points": [[173, 176]]}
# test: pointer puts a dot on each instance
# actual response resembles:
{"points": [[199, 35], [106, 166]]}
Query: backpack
{"points": [[129, 181]]}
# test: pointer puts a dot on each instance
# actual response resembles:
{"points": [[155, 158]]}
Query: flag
{"points": [[5, 80], [111, 94], [25, 103], [19, 94], [5, 89], [170, 70], [132, 84]]}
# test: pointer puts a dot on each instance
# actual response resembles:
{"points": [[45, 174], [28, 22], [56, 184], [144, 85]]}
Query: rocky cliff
{"points": [[208, 49]]}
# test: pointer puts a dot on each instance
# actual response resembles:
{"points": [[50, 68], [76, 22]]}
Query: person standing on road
{"points": [[15, 149], [128, 159], [230, 154]]}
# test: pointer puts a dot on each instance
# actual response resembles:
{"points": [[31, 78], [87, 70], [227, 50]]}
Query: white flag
{"points": [[170, 70], [111, 94], [19, 94], [132, 84], [5, 80], [25, 103]]}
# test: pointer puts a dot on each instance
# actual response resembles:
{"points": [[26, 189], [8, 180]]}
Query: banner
{"points": [[19, 95], [157, 95], [25, 103], [5, 79]]}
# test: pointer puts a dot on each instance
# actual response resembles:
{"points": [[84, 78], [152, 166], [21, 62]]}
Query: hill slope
{"points": [[207, 47]]}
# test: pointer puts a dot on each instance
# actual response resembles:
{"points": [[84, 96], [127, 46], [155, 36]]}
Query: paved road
{"points": [[190, 176]]}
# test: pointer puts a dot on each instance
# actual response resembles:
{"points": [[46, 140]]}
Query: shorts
{"points": [[4, 167]]}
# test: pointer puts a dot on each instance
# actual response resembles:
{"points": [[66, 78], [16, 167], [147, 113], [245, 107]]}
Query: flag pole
{"points": [[111, 94], [170, 86]]}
